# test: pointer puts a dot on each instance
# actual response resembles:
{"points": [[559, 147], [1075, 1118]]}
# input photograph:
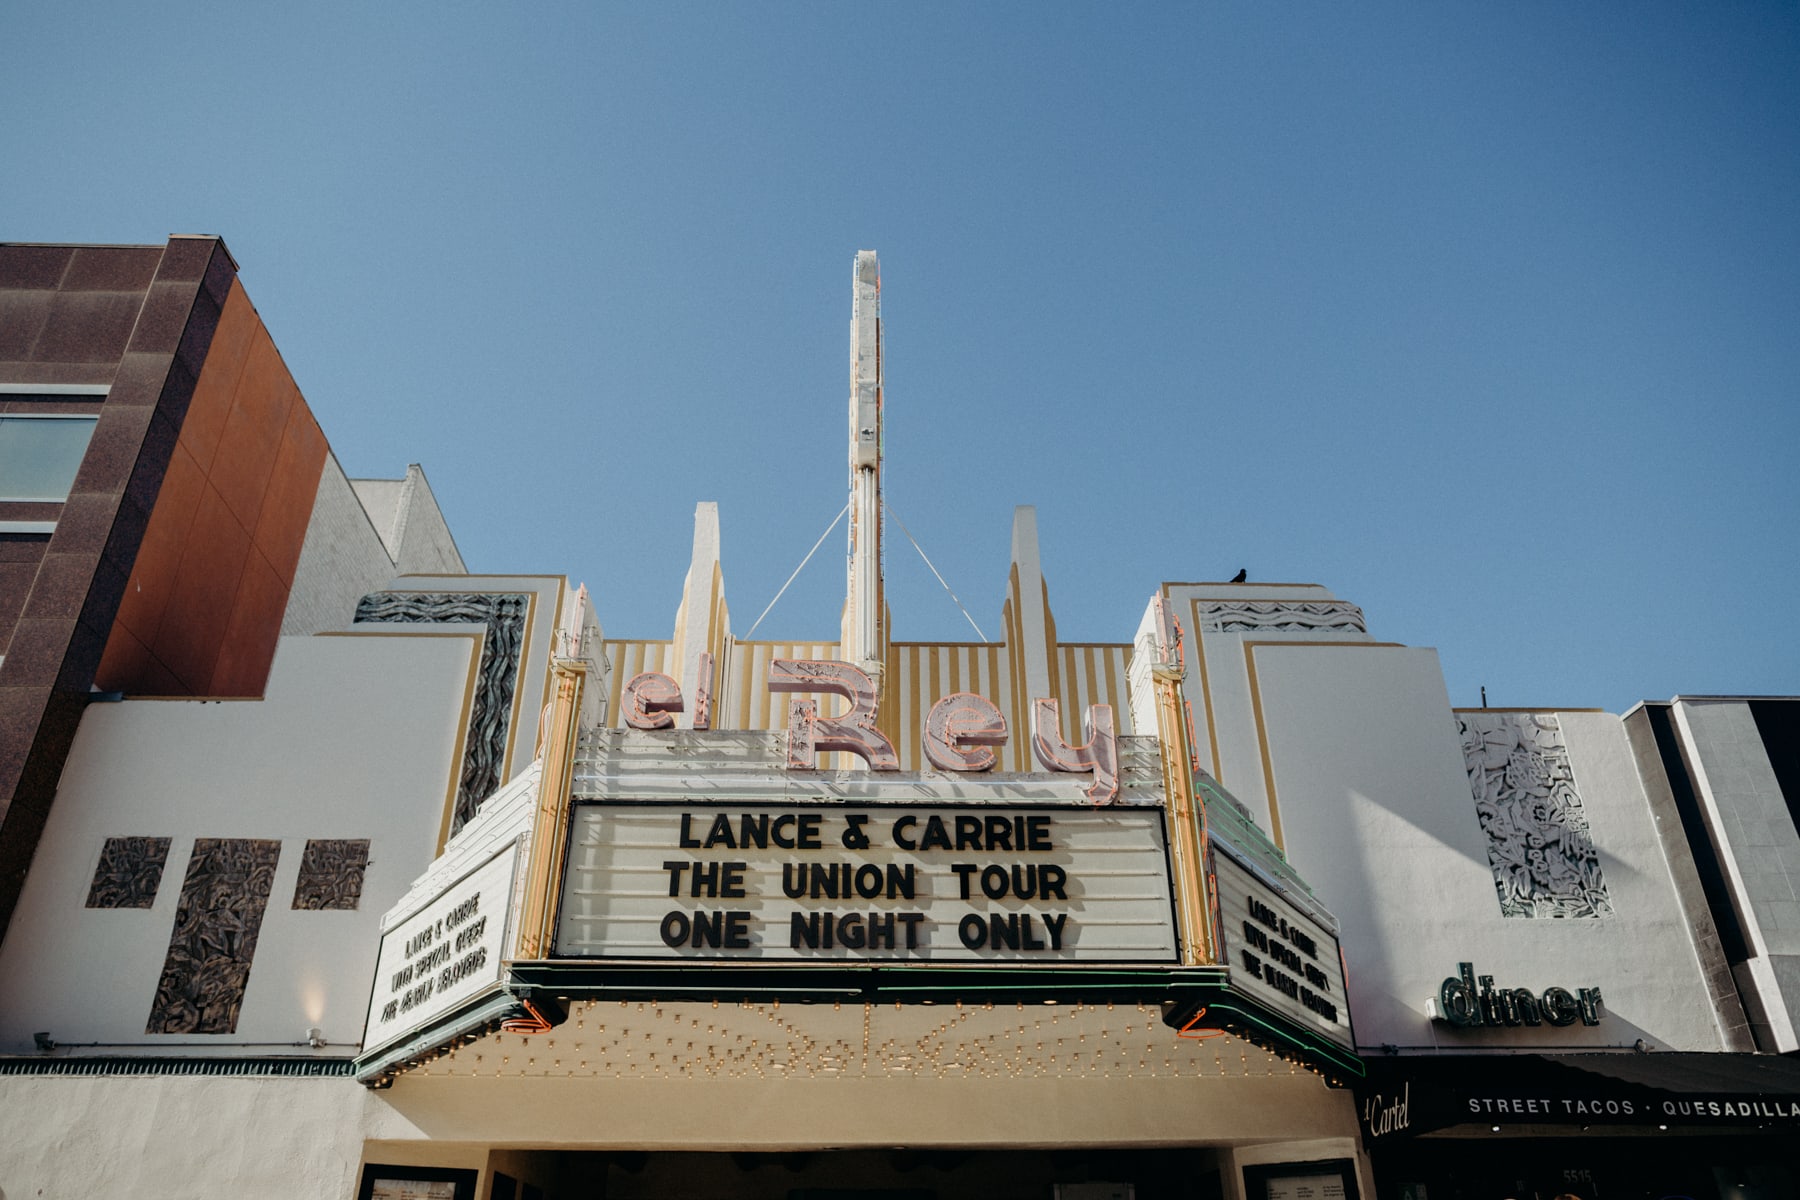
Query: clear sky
{"points": [[1486, 317]]}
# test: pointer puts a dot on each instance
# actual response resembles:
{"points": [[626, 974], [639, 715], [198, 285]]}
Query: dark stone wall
{"points": [[140, 319]]}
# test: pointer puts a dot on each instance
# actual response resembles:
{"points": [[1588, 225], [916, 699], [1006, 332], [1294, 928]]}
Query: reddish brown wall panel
{"points": [[203, 607]]}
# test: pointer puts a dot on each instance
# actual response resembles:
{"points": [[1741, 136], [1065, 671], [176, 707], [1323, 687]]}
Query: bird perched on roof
{"points": [[1239, 577]]}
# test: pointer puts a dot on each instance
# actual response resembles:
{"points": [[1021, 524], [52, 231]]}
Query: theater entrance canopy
{"points": [[687, 866]]}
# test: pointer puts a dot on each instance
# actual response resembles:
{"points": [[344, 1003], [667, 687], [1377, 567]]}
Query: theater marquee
{"points": [[888, 882], [448, 951], [1283, 957]]}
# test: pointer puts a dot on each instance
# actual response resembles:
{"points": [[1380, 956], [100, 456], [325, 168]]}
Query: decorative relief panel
{"points": [[1247, 616], [503, 613], [129, 872], [1539, 844], [221, 911], [331, 873]]}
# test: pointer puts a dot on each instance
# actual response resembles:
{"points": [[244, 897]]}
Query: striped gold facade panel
{"points": [[751, 704], [922, 673], [1094, 673], [628, 659]]}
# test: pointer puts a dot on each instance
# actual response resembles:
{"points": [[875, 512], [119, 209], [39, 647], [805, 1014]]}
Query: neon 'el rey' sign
{"points": [[959, 733]]}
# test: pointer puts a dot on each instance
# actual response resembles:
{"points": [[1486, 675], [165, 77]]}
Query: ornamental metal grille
{"points": [[1538, 839], [331, 873], [129, 872], [221, 912]]}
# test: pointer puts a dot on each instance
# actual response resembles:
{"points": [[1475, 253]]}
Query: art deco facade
{"points": [[431, 887]]}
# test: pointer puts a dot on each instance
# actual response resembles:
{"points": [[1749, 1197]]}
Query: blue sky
{"points": [[1484, 317]]}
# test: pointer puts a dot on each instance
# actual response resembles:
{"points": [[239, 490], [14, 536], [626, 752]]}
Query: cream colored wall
{"points": [[1662, 973], [356, 738], [178, 1137], [1220, 687], [175, 1137]]}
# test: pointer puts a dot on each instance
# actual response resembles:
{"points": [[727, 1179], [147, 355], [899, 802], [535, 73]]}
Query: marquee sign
{"points": [[869, 882], [443, 954], [1468, 1001], [1278, 954]]}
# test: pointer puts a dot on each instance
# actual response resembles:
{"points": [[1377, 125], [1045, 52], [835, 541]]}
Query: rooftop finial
{"points": [[864, 634]]}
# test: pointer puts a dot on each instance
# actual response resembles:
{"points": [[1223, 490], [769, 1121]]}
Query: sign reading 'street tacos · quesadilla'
{"points": [[866, 882]]}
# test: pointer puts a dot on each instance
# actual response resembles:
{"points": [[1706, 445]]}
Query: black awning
{"points": [[1733, 1074], [1407, 1096]]}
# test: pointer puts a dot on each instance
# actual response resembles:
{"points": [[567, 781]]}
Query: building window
{"points": [[39, 455]]}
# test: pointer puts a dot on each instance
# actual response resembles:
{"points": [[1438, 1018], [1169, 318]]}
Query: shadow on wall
{"points": [[1380, 842]]}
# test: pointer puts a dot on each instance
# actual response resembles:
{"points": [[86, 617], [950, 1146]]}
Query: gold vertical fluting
{"points": [[1191, 900], [549, 831]]}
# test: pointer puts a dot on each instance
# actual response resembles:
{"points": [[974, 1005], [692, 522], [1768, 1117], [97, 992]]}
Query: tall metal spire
{"points": [[864, 628]]}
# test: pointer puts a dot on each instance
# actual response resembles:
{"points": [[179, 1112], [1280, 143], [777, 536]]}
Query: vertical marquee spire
{"points": [[864, 632]]}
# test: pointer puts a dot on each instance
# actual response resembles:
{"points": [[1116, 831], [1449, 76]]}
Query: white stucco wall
{"points": [[341, 559], [426, 547], [361, 534], [357, 737], [1377, 815], [531, 691]]}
